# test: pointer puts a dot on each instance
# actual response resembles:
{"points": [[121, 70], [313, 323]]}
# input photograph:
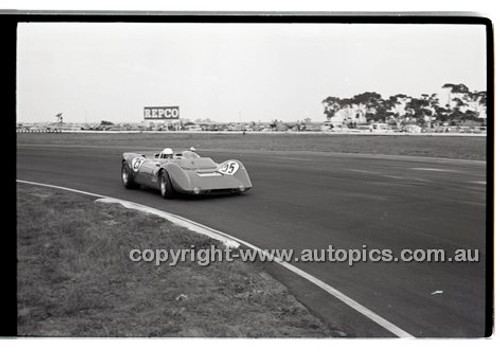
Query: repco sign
{"points": [[161, 113]]}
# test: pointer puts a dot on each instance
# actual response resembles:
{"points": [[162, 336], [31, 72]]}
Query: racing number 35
{"points": [[229, 168]]}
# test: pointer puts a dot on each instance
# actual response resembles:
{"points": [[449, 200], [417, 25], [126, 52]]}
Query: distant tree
{"points": [[456, 87], [455, 90], [346, 110], [476, 103], [397, 106], [367, 104], [384, 111], [421, 108], [442, 114], [331, 106], [274, 125], [462, 104]]}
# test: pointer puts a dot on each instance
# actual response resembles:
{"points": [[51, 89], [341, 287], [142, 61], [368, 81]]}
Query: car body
{"points": [[183, 172]]}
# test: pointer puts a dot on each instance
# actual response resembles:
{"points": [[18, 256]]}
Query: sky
{"points": [[233, 72]]}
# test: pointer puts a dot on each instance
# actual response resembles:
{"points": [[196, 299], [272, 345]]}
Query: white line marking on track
{"points": [[397, 177], [436, 170], [479, 182], [363, 171], [184, 222]]}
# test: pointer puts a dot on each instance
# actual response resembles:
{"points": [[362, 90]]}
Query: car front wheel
{"points": [[166, 189], [127, 177]]}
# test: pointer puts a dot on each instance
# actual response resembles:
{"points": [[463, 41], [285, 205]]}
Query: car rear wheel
{"points": [[166, 189], [127, 177]]}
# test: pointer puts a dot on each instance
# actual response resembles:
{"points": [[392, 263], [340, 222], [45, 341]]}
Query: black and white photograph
{"points": [[260, 176]]}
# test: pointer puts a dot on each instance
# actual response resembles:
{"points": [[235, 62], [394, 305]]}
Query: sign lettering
{"points": [[161, 113]]}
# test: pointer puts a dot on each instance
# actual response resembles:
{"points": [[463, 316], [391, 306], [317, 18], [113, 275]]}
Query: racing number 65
{"points": [[137, 162]]}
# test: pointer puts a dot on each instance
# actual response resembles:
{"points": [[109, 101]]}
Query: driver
{"points": [[167, 153]]}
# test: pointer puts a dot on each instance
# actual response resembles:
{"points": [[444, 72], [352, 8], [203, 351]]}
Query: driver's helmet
{"points": [[167, 153]]}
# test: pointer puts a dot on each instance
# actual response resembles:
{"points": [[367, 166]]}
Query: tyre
{"points": [[127, 177], [166, 189]]}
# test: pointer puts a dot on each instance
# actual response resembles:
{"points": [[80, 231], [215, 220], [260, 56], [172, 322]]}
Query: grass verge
{"points": [[75, 278], [461, 147]]}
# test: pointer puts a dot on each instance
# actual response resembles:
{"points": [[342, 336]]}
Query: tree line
{"points": [[461, 106]]}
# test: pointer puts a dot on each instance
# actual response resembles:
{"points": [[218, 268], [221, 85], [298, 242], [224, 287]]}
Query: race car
{"points": [[183, 172]]}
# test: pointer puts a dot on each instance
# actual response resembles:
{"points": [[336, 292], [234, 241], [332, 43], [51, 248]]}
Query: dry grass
{"points": [[463, 147], [75, 278]]}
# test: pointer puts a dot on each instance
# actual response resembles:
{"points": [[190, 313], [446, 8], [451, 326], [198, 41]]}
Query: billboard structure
{"points": [[161, 113]]}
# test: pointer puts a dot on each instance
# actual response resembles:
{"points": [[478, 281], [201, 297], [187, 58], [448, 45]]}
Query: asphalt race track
{"points": [[313, 200]]}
